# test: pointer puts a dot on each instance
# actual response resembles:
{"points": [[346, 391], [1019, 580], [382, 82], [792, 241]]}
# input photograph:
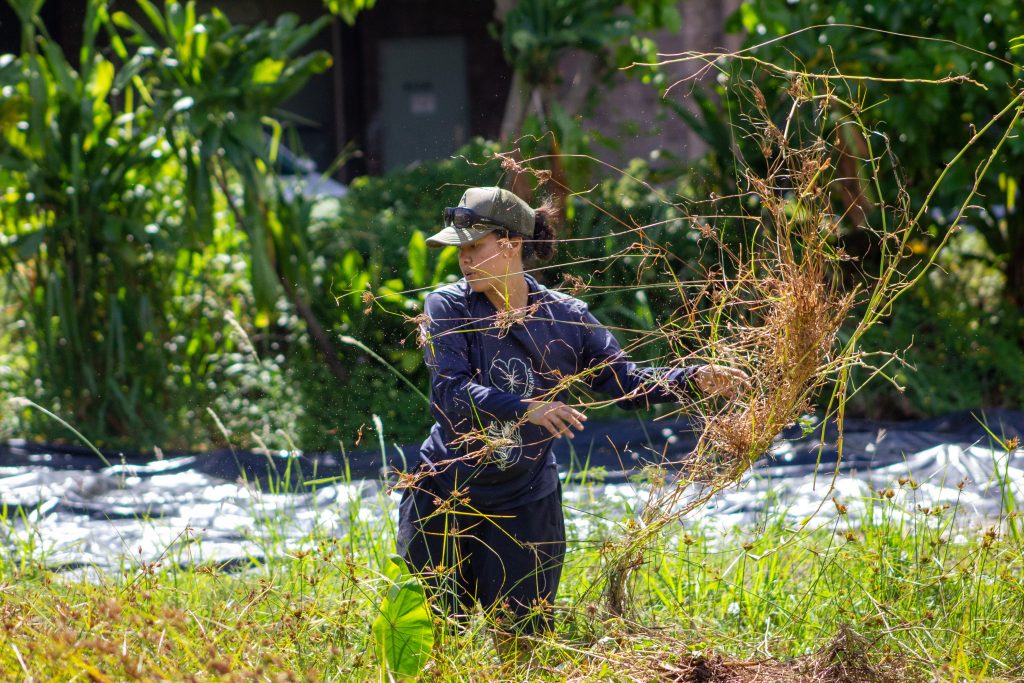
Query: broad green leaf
{"points": [[395, 569], [403, 630]]}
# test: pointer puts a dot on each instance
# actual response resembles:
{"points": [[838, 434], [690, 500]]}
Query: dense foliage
{"points": [[155, 270], [162, 288], [967, 45], [923, 78]]}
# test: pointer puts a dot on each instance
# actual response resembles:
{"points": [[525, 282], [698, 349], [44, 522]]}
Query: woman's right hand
{"points": [[556, 417]]}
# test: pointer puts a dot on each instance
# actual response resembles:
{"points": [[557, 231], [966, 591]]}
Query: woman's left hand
{"points": [[719, 380]]}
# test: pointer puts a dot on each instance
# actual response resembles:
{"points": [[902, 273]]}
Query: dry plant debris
{"points": [[847, 658]]}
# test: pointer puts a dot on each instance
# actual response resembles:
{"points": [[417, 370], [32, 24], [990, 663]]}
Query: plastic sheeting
{"points": [[65, 505]]}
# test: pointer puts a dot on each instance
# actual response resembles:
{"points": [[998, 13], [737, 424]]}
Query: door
{"points": [[423, 99]]}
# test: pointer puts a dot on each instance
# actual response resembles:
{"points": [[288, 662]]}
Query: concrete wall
{"points": [[631, 112], [344, 104]]}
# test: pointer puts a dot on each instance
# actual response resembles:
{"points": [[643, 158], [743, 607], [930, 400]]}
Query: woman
{"points": [[483, 523]]}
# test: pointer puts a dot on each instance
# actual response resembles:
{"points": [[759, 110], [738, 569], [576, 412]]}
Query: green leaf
{"points": [[395, 569], [28, 244], [265, 287], [351, 265], [176, 19], [403, 630], [445, 260], [101, 81], [1009, 185], [418, 258], [348, 9], [59, 66], [153, 14], [267, 70], [748, 15]]}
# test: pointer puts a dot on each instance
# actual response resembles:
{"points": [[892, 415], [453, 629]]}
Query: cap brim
{"points": [[457, 237]]}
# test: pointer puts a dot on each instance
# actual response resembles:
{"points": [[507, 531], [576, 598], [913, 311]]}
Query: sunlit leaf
{"points": [[403, 630], [267, 70], [348, 9], [102, 80], [418, 258]]}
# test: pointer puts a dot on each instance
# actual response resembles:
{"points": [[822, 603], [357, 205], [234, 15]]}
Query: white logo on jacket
{"points": [[514, 376]]}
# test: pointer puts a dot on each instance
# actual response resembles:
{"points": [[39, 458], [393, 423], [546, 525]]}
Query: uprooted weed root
{"points": [[793, 351]]}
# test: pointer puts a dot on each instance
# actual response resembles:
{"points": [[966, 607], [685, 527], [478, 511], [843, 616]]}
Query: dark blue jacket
{"points": [[483, 368]]}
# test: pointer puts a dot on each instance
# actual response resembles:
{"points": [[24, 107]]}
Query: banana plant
{"points": [[221, 84], [81, 248]]}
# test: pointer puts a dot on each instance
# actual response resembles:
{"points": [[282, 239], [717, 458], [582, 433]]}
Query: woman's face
{"points": [[488, 261]]}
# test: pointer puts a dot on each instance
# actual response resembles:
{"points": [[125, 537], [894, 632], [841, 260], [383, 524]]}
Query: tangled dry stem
{"points": [[773, 306], [792, 349], [778, 316]]}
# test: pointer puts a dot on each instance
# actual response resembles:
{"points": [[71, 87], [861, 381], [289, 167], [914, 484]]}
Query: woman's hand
{"points": [[556, 417], [719, 380]]}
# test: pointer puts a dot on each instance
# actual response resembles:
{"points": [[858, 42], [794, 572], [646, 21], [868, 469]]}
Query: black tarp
{"points": [[616, 446]]}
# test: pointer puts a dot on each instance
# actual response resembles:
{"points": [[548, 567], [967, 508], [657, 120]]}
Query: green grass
{"points": [[932, 591]]}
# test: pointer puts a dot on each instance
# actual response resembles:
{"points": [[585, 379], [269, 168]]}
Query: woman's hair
{"points": [[541, 248]]}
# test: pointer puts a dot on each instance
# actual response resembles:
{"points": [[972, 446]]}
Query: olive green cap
{"points": [[492, 202]]}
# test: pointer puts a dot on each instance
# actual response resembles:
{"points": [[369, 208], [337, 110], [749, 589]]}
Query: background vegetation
{"points": [[163, 288], [154, 267]]}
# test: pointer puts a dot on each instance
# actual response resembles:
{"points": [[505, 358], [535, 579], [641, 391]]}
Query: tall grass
{"points": [[902, 592]]}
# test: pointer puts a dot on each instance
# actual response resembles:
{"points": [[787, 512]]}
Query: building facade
{"points": [[412, 80]]}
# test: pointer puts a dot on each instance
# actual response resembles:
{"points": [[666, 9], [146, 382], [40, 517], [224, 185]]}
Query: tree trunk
{"points": [[320, 337], [516, 108]]}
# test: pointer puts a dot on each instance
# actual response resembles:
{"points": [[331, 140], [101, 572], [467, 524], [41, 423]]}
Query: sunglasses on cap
{"points": [[463, 218]]}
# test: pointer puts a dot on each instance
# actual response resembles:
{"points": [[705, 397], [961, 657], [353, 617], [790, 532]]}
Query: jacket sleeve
{"points": [[453, 389], [608, 370]]}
